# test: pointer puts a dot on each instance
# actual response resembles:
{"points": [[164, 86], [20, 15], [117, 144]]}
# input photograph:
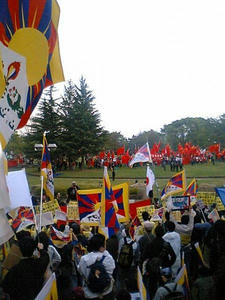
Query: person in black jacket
{"points": [[157, 254], [160, 249], [25, 280]]}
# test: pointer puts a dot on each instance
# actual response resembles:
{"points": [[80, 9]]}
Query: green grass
{"points": [[209, 176]]}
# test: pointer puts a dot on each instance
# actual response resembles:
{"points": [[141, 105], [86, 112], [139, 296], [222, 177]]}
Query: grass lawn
{"points": [[209, 176]]}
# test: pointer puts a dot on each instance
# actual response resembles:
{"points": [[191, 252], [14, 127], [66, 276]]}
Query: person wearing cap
{"points": [[169, 286], [145, 239], [72, 192]]}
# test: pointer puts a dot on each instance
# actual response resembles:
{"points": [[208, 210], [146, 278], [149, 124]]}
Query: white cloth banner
{"points": [[60, 215], [4, 193], [6, 231], [150, 180], [19, 192], [46, 219]]}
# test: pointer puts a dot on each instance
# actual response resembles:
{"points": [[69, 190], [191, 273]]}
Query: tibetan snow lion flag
{"points": [[46, 171], [29, 59], [175, 185], [192, 189], [142, 155], [108, 205], [89, 203], [59, 238], [25, 217]]}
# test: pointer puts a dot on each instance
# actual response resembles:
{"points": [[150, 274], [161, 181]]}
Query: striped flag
{"points": [[29, 51], [24, 218], [175, 185], [142, 155], [192, 189], [108, 204], [46, 170], [60, 239]]}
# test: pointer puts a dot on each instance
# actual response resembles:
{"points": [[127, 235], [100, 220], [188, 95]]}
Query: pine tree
{"points": [[46, 119], [82, 130]]}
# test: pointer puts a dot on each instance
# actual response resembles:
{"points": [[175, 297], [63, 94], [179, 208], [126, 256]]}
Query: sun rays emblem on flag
{"points": [[27, 28], [89, 203]]}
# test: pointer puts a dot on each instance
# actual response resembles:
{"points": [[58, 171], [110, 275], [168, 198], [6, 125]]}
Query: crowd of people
{"points": [[89, 266]]}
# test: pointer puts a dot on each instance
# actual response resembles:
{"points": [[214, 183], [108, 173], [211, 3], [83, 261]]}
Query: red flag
{"points": [[102, 155], [121, 150]]}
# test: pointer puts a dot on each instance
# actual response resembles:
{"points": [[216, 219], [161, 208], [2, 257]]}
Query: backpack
{"points": [[98, 278], [173, 294], [126, 255]]}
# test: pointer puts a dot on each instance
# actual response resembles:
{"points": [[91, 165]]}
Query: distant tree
{"points": [[198, 131], [115, 140], [147, 136], [16, 144], [81, 124], [46, 119]]}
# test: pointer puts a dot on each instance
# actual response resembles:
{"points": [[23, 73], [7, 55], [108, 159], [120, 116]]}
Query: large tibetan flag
{"points": [[46, 171], [142, 155], [192, 189], [29, 59], [175, 185], [108, 204], [89, 203], [24, 218]]}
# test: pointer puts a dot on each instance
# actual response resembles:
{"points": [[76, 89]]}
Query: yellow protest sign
{"points": [[209, 198], [150, 209], [73, 212], [47, 206]]}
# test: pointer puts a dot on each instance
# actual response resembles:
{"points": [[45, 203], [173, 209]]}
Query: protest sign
{"points": [[150, 209], [49, 206], [180, 202], [209, 198], [72, 212]]}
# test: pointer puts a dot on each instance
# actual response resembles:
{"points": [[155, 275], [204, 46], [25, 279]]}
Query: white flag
{"points": [[4, 193], [19, 192], [6, 231], [150, 180]]}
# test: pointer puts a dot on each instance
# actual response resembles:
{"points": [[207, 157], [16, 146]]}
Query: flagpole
{"points": [[42, 186], [41, 202]]}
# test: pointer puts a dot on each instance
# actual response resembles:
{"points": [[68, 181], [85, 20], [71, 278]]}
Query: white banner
{"points": [[46, 219], [19, 192], [6, 231]]}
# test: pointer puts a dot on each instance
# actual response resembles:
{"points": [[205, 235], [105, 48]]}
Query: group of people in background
{"points": [[89, 266]]}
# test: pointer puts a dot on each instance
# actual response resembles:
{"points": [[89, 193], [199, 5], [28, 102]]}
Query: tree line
{"points": [[74, 125]]}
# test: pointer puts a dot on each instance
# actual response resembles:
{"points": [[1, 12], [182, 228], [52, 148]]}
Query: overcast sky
{"points": [[148, 63]]}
